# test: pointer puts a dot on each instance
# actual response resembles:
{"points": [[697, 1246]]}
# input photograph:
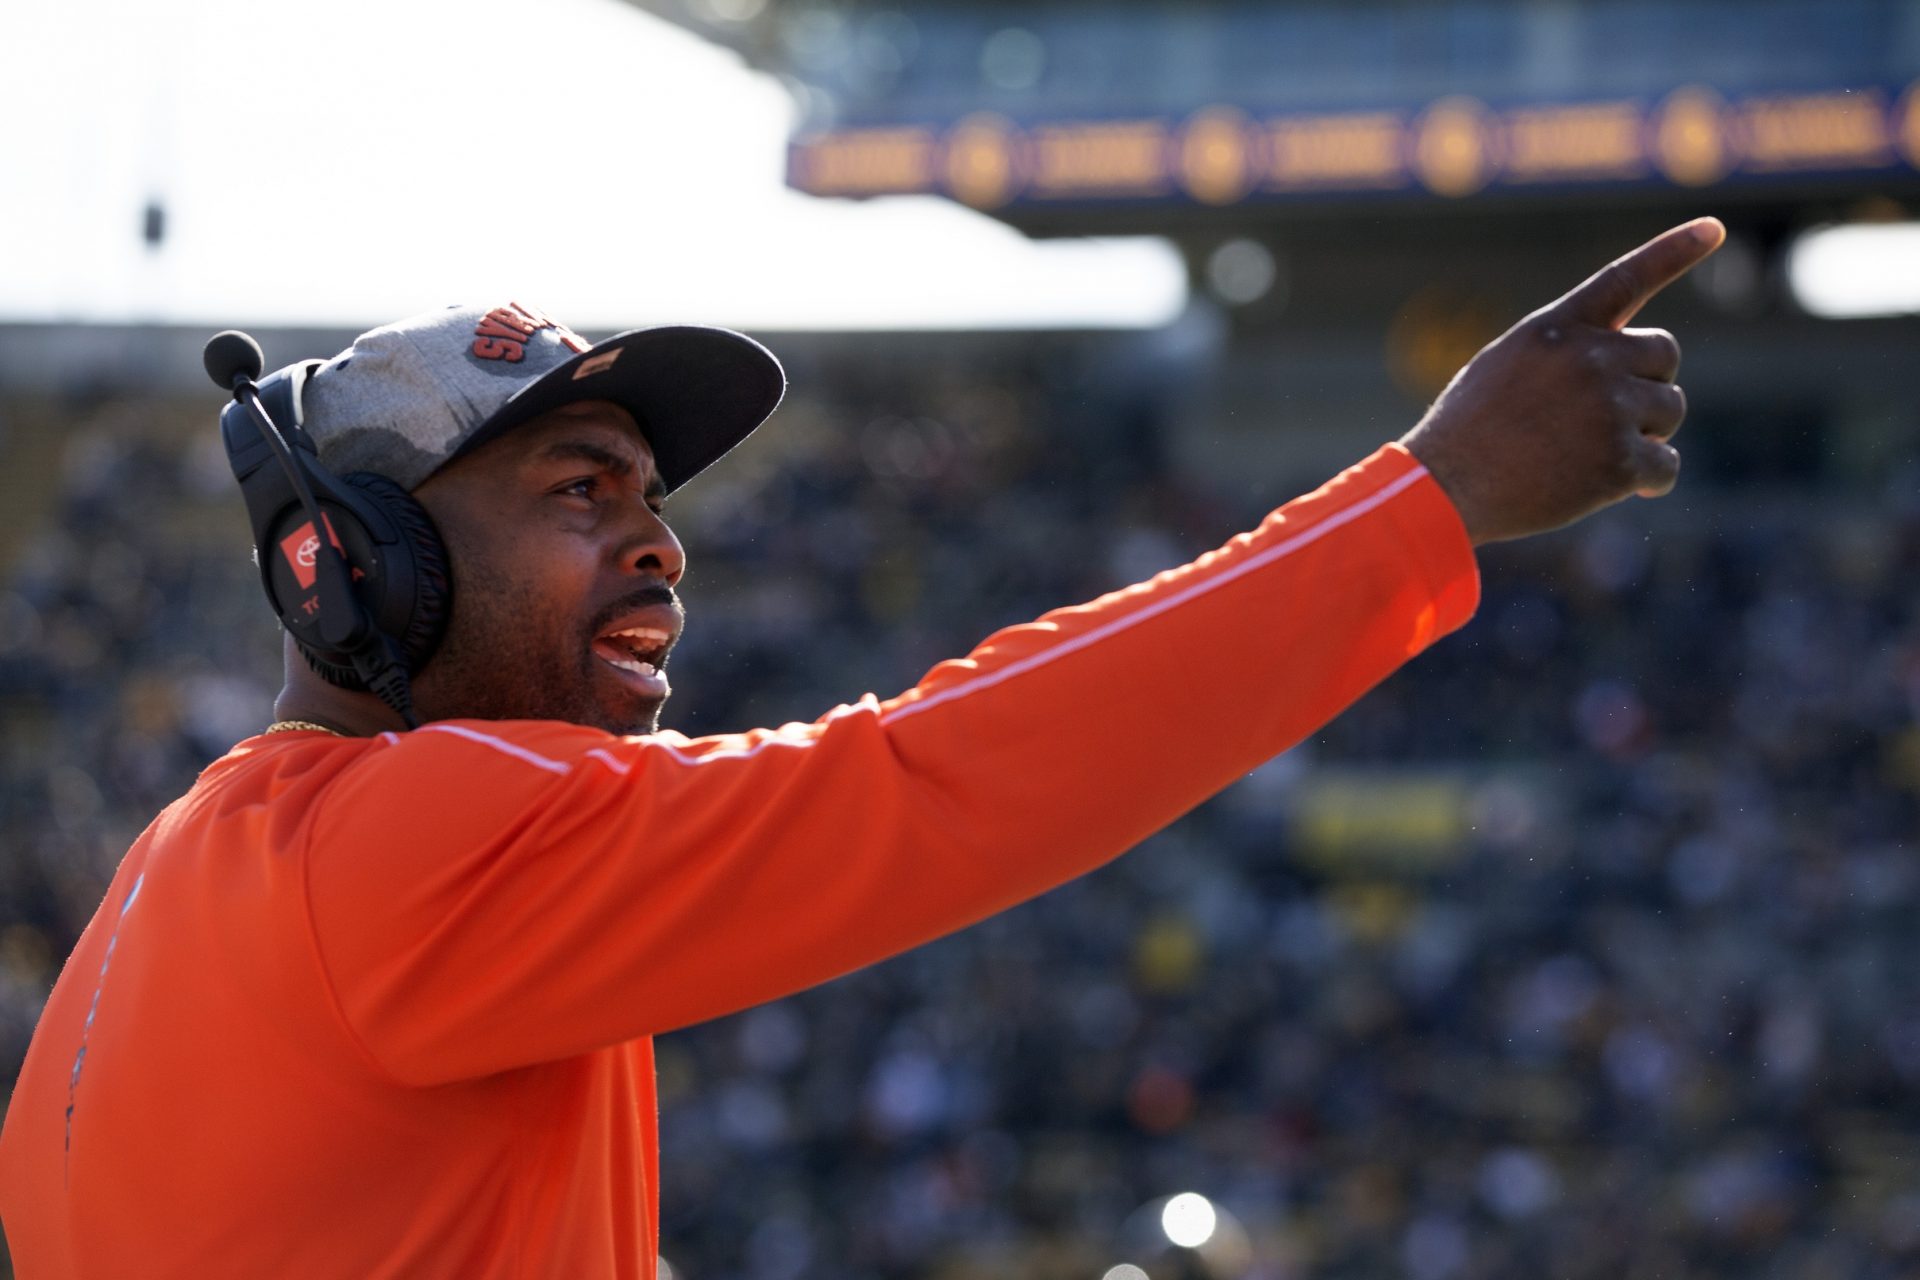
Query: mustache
{"points": [[658, 593]]}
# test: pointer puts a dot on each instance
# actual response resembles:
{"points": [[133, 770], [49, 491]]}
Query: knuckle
{"points": [[1547, 328], [1674, 408], [1663, 350], [1662, 470]]}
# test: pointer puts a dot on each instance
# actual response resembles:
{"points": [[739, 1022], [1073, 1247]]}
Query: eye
{"points": [[587, 487]]}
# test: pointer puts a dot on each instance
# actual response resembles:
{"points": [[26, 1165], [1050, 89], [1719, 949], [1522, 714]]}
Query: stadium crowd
{"points": [[1573, 951]]}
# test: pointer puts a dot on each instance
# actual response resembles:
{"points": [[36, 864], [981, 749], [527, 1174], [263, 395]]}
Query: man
{"points": [[368, 1002]]}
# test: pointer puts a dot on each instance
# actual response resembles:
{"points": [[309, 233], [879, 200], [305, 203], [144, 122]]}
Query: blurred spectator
{"points": [[1581, 948]]}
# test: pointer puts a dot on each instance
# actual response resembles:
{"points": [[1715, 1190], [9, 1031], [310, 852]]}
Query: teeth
{"points": [[649, 635], [634, 665]]}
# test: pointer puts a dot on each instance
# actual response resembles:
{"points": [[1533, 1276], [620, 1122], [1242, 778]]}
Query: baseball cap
{"points": [[409, 397]]}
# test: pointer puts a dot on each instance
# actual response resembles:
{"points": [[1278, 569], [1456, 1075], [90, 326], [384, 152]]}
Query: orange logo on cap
{"points": [[503, 332]]}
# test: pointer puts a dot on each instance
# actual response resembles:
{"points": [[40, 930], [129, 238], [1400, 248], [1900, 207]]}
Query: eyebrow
{"points": [[619, 464]]}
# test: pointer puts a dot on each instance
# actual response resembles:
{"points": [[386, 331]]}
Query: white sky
{"points": [[353, 161]]}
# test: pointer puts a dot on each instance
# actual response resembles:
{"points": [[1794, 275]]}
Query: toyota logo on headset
{"points": [[302, 549]]}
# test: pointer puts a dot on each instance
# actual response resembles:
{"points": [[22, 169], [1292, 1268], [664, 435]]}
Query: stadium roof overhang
{"points": [[1155, 115]]}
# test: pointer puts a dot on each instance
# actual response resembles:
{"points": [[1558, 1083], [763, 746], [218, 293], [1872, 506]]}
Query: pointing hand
{"points": [[1569, 411]]}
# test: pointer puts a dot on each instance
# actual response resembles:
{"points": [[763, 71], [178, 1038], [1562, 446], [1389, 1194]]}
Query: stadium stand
{"points": [[1579, 949]]}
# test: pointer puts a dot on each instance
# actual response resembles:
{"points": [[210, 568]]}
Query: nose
{"points": [[650, 548]]}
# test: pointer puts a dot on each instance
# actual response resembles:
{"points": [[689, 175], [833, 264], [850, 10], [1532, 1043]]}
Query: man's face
{"points": [[563, 573]]}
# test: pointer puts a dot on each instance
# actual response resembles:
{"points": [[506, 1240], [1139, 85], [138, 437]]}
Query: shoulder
{"points": [[540, 744], [486, 764], [508, 753], [461, 783]]}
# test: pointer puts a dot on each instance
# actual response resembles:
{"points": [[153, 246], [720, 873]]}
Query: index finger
{"points": [[1612, 296]]}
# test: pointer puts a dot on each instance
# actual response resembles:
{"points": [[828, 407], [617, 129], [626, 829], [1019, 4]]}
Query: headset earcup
{"points": [[416, 594], [417, 619]]}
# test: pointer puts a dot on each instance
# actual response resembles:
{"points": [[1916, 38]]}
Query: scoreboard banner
{"points": [[1453, 148]]}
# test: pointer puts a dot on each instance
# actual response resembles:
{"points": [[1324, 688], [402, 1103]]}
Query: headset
{"points": [[353, 566]]}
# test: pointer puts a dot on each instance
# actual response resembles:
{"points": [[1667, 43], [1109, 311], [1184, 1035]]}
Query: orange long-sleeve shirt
{"points": [[381, 1007]]}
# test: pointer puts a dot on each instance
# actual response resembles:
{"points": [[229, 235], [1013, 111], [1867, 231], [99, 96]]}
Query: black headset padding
{"points": [[417, 596]]}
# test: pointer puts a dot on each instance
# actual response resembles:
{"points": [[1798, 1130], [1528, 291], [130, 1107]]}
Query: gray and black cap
{"points": [[409, 397]]}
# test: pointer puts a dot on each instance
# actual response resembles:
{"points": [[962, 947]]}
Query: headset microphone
{"points": [[309, 576], [232, 358]]}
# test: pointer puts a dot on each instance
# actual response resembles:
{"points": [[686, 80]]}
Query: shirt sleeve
{"points": [[486, 895]]}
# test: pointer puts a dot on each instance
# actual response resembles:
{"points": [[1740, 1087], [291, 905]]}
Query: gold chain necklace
{"points": [[291, 726]]}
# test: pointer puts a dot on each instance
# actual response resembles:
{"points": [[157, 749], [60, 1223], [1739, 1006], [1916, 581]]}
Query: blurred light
{"points": [[1517, 1183], [1436, 332], [1856, 272], [816, 39], [1013, 58], [1160, 1100], [1734, 279], [886, 42], [1241, 271], [666, 1271], [1189, 1220], [1436, 1248], [1125, 1271], [1187, 1235]]}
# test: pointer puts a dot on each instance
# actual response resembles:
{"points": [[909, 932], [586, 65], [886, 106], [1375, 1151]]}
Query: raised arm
{"points": [[494, 895], [488, 895]]}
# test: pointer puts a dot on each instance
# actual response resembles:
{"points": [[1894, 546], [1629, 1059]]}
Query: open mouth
{"points": [[640, 651]]}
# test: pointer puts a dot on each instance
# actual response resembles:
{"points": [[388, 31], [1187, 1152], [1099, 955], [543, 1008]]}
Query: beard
{"points": [[507, 656]]}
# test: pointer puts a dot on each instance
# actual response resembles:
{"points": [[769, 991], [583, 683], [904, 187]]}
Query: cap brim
{"points": [[695, 392]]}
